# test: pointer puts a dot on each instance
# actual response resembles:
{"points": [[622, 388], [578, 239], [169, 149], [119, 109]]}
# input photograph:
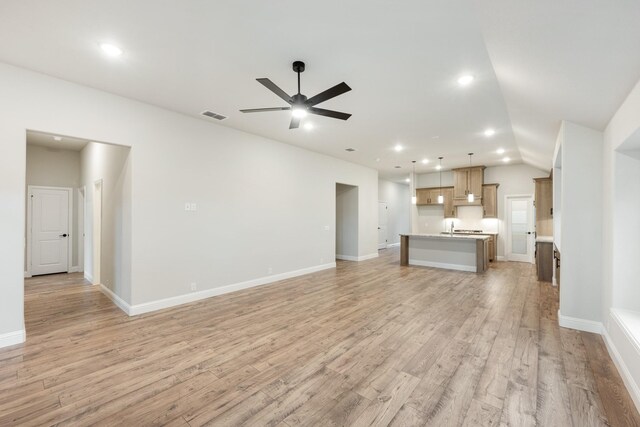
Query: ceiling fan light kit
{"points": [[299, 104]]}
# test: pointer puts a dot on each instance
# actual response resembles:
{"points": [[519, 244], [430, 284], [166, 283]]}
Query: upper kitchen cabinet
{"points": [[450, 211], [544, 206], [490, 200], [429, 196], [465, 181]]}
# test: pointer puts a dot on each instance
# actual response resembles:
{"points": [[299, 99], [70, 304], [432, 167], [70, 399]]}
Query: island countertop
{"points": [[448, 236]]}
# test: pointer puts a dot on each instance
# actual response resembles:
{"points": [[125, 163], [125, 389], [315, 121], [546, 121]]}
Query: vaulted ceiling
{"points": [[534, 64]]}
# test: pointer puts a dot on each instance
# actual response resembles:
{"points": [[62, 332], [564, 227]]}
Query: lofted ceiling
{"points": [[534, 62]]}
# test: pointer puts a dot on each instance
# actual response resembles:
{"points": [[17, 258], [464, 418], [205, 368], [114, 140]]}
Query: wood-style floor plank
{"points": [[369, 343]]}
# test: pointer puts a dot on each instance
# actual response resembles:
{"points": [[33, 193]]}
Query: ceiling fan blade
{"points": [[259, 110], [295, 123], [329, 113], [275, 89], [338, 89]]}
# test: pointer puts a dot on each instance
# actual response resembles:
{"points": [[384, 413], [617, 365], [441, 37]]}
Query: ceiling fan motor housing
{"points": [[298, 66]]}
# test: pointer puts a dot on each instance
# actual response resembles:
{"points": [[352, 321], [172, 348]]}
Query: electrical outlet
{"points": [[187, 206], [326, 228], [194, 286]]}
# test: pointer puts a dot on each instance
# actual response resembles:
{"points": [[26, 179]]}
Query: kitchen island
{"points": [[449, 251]]}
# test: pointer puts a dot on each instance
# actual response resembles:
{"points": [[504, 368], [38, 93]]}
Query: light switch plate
{"points": [[187, 206], [194, 207], [326, 228]]}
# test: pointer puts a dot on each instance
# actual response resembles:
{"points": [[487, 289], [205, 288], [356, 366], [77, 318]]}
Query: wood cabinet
{"points": [[544, 206], [450, 211], [429, 197], [544, 261], [493, 247], [490, 200], [465, 181]]}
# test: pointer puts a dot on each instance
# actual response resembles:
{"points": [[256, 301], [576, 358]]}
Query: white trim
{"points": [[458, 267], [12, 338], [88, 277], [75, 269], [27, 274], [69, 226], [501, 258], [618, 360], [391, 245], [356, 258], [122, 304], [208, 293], [579, 324]]}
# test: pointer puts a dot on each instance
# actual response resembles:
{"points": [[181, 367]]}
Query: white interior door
{"points": [[520, 229], [50, 239], [382, 225]]}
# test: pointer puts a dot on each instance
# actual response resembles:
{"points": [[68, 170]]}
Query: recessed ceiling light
{"points": [[57, 138], [299, 113], [435, 137], [425, 161], [506, 160], [465, 80], [398, 147], [489, 133], [500, 151], [407, 180], [438, 167], [110, 49], [308, 126], [378, 159]]}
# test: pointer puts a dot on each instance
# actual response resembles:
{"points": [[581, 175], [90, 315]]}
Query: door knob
{"points": [[63, 235]]}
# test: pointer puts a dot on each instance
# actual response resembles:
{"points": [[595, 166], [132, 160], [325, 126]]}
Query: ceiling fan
{"points": [[299, 104]]}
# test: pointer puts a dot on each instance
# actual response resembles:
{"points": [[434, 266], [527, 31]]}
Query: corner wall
{"points": [[398, 199]]}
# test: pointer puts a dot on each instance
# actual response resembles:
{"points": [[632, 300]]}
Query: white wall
{"points": [[346, 221], [513, 179], [109, 163], [261, 203], [398, 199], [581, 222], [51, 167], [620, 248]]}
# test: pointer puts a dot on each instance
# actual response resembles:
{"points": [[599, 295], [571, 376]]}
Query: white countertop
{"points": [[448, 236], [486, 233], [544, 239]]}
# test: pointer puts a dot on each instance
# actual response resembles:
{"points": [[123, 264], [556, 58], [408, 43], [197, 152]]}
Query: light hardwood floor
{"points": [[369, 343]]}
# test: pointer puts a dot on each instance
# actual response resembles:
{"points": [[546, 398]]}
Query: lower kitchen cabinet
{"points": [[544, 261]]}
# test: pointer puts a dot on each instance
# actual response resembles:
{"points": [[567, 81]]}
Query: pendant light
{"points": [[440, 196], [414, 198], [470, 196]]}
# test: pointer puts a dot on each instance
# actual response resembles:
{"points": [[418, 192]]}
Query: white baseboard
{"points": [[74, 269], [391, 245], [122, 304], [500, 258], [356, 258], [27, 274], [631, 351], [88, 277], [579, 324], [458, 267], [12, 338], [195, 296]]}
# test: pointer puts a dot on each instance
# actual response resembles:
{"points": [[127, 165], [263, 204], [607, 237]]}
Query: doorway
{"points": [[49, 224], [383, 239], [347, 222], [519, 227]]}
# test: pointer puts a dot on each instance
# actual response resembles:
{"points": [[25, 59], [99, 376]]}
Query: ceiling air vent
{"points": [[350, 149], [213, 115]]}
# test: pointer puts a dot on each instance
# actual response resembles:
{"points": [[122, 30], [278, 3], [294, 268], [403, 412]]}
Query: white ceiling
{"points": [[535, 63], [48, 140]]}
